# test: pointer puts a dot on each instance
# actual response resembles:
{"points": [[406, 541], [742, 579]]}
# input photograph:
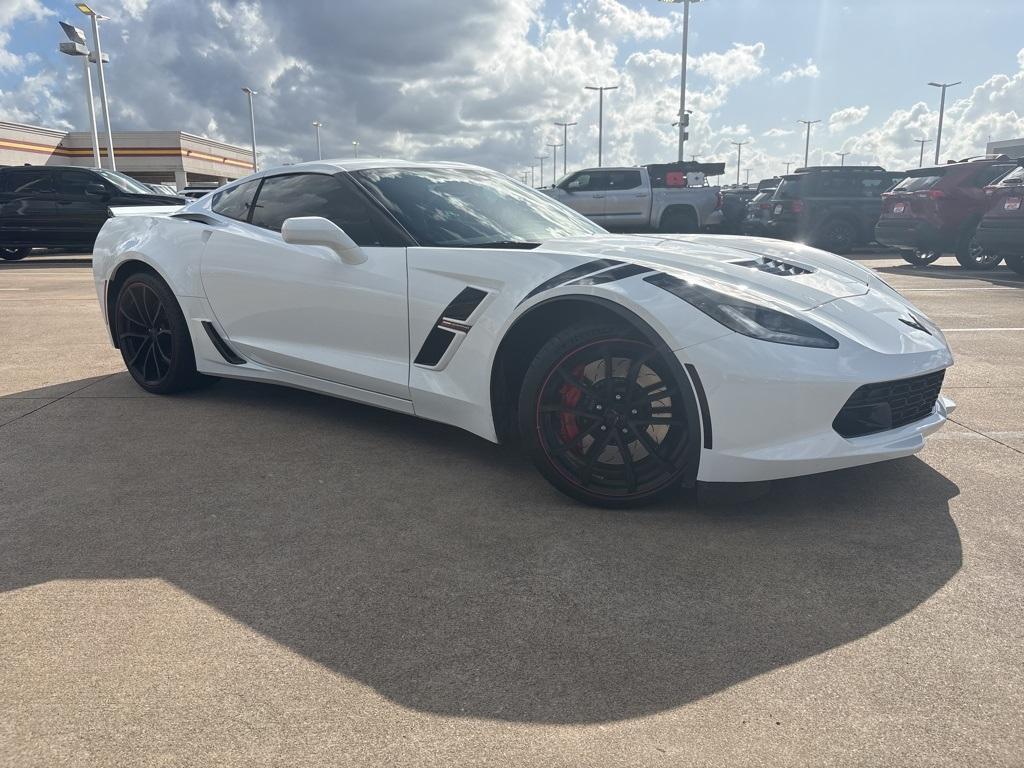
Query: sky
{"points": [[483, 81]]}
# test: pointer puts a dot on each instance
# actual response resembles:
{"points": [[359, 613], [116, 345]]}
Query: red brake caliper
{"points": [[570, 398]]}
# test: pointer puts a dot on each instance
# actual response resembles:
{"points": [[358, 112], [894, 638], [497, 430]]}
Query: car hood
{"points": [[788, 274]]}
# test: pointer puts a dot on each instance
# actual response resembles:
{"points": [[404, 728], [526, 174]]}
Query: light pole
{"points": [[317, 125], [788, 163], [533, 180], [565, 146], [842, 158], [922, 142], [252, 125], [542, 158], [739, 156], [355, 148], [942, 112], [77, 47], [98, 53], [807, 144], [554, 161], [683, 117], [600, 114]]}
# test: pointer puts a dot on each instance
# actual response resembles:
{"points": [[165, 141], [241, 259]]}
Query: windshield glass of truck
{"points": [[916, 183]]}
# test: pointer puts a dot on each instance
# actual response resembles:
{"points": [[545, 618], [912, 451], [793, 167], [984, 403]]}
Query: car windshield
{"points": [[470, 207], [1016, 176], [789, 189], [917, 183], [124, 183]]}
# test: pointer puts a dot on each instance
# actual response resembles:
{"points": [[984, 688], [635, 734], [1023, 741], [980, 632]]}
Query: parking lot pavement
{"points": [[249, 575]]}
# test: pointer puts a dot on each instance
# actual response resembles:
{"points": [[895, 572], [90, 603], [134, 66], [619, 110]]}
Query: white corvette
{"points": [[629, 365]]}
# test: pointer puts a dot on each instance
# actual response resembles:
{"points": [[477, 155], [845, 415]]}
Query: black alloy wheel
{"points": [[838, 236], [153, 336], [14, 254], [920, 258], [971, 255], [605, 419]]}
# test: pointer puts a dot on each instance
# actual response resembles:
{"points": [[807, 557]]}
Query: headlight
{"points": [[744, 317]]}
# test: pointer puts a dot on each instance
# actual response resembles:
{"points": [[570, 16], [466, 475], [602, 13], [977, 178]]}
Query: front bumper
{"points": [[771, 406], [1002, 236]]}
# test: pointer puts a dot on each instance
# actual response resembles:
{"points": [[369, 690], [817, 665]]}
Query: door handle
{"points": [[640, 194], [598, 197]]}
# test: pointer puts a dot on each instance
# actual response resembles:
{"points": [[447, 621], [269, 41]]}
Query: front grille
{"points": [[888, 405]]}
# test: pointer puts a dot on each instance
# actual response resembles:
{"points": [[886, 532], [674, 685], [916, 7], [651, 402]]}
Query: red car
{"points": [[1002, 230], [937, 210]]}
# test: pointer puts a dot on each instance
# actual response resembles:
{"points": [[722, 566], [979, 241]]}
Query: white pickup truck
{"points": [[670, 197]]}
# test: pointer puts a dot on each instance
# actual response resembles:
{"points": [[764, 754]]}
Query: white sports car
{"points": [[628, 365]]}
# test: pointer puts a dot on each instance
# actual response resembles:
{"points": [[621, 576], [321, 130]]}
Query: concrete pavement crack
{"points": [[989, 437], [55, 400]]}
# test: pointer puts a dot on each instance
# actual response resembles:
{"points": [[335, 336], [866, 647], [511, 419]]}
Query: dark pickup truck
{"points": [[63, 206]]}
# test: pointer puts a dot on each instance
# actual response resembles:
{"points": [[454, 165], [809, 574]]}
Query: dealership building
{"points": [[153, 157], [1012, 148]]}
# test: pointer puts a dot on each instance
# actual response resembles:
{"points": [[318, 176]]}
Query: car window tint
{"points": [[72, 183], [32, 182], [917, 183], [1015, 176], [873, 186], [236, 202], [335, 199], [623, 179], [988, 175]]}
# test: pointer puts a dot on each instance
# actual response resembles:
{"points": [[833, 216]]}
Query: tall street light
{"points": [[77, 47], [600, 114], [252, 125], [788, 163], [684, 118], [565, 145], [533, 180], [355, 148], [554, 161], [807, 144], [942, 112], [542, 158], [842, 157], [922, 142], [317, 125], [97, 51], [739, 156]]}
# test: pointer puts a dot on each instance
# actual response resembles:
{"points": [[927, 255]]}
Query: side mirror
{"points": [[95, 189], [316, 230]]}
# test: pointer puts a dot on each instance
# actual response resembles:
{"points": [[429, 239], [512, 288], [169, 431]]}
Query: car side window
{"points": [[236, 202], [74, 183], [333, 197], [623, 180], [987, 175], [874, 186], [579, 183], [32, 182]]}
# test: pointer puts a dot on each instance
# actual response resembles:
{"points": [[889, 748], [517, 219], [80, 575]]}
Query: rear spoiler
{"points": [[143, 210]]}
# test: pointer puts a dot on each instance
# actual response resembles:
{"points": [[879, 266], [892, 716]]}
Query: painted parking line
{"points": [[974, 330], [997, 288], [13, 289]]}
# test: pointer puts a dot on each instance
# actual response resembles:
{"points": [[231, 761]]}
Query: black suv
{"points": [[829, 206], [63, 206]]}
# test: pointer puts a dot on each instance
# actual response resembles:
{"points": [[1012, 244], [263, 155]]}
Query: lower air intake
{"points": [[888, 405]]}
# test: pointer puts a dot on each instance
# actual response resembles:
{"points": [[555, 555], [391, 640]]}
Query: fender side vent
{"points": [[222, 346], [702, 401], [463, 305], [433, 349]]}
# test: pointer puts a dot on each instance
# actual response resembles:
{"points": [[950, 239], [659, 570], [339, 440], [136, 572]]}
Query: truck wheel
{"points": [[837, 236], [1016, 263], [920, 258], [679, 220], [14, 254], [971, 255]]}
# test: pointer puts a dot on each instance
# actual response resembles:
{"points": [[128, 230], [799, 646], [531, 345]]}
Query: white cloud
{"points": [[809, 70], [12, 11], [739, 63], [848, 117], [775, 133]]}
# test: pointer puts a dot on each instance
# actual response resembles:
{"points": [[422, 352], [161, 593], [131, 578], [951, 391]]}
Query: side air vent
{"points": [[774, 267], [222, 346], [434, 347], [463, 305], [451, 325]]}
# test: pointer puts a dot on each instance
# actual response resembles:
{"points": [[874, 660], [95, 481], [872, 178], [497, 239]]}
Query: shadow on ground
{"points": [[1001, 275], [441, 570]]}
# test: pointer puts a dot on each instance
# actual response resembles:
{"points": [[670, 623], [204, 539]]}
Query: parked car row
{"points": [[971, 208]]}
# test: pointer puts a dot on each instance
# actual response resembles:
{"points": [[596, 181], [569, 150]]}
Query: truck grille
{"points": [[888, 405]]}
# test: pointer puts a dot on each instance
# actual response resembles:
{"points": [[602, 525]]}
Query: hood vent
{"points": [[774, 267]]}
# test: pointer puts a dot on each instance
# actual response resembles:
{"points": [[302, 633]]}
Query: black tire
{"points": [[837, 235], [678, 221], [971, 255], [14, 254], [1016, 263], [920, 258], [153, 336], [606, 419]]}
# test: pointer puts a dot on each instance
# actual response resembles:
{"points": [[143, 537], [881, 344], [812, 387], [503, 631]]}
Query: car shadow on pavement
{"points": [[443, 571], [1001, 275]]}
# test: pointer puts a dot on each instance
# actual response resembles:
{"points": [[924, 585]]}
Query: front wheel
{"points": [[971, 255], [1016, 263], [14, 254], [837, 236], [605, 419], [920, 258]]}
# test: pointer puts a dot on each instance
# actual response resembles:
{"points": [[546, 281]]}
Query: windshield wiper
{"points": [[499, 244]]}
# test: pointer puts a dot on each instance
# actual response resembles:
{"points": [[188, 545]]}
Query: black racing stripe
{"points": [[611, 275], [702, 400], [569, 275]]}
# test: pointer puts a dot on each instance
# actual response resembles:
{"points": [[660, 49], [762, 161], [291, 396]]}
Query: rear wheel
{"points": [[679, 220], [971, 255], [14, 254], [153, 336], [1016, 263], [605, 419], [837, 236], [920, 258]]}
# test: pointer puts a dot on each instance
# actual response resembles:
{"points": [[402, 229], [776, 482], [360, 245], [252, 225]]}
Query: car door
{"points": [[627, 200], [27, 210], [300, 308], [82, 204], [586, 194]]}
